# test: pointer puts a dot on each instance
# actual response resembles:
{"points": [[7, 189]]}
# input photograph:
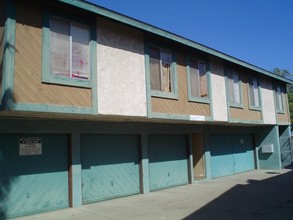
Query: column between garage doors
{"points": [[153, 151]]}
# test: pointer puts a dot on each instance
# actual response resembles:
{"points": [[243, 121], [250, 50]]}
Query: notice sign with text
{"points": [[30, 146]]}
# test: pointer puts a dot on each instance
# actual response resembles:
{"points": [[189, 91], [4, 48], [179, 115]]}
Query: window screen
{"points": [[160, 70], [234, 88], [69, 49], [198, 79], [60, 47], [253, 92], [279, 99]]}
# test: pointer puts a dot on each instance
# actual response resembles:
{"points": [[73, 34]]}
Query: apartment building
{"points": [[96, 105]]}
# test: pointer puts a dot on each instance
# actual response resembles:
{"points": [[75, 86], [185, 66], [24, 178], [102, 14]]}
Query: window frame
{"points": [[173, 67], [281, 95], [251, 106], [47, 77], [192, 98], [233, 104]]}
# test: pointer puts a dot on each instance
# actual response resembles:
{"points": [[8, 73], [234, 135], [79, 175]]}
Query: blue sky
{"points": [[259, 32]]}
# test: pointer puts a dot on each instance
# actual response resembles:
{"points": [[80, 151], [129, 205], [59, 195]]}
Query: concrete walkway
{"points": [[261, 195]]}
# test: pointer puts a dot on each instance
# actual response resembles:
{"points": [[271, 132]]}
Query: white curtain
{"points": [[80, 51], [60, 47], [166, 60], [155, 68]]}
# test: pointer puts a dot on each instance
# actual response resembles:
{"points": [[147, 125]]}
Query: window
{"points": [[162, 74], [197, 80], [279, 99], [234, 89], [253, 93], [67, 47]]}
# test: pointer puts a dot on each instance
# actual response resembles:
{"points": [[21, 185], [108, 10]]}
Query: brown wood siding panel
{"points": [[180, 106], [285, 117], [28, 66], [245, 114]]}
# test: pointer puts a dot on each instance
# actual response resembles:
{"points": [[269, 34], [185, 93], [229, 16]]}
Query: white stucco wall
{"points": [[120, 70], [268, 105], [218, 85]]}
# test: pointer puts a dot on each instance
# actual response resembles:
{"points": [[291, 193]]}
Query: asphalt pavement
{"points": [[259, 194]]}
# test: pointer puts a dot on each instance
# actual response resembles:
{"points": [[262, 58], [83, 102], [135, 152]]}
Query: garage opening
{"points": [[167, 160], [231, 153], [33, 174], [110, 166]]}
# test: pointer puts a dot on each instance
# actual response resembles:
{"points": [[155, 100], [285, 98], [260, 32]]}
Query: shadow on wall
{"points": [[271, 198], [32, 183], [7, 100], [6, 180]]}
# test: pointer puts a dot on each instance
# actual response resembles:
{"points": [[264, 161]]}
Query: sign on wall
{"points": [[30, 146]]}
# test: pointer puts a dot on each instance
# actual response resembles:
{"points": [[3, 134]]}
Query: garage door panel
{"points": [[222, 166], [222, 160], [243, 153], [33, 183], [167, 147], [231, 154], [167, 161], [109, 166]]}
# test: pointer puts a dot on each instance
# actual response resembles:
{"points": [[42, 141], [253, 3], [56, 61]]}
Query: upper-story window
{"points": [[197, 80], [234, 89], [254, 98], [162, 72], [279, 99], [67, 47]]}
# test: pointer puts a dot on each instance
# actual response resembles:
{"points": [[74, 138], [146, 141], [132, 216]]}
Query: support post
{"points": [[75, 171], [144, 165]]}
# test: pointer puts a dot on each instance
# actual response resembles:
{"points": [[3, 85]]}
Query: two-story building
{"points": [[96, 105]]}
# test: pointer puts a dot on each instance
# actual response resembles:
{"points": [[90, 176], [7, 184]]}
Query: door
{"points": [[167, 160], [231, 154], [110, 166], [198, 156], [33, 174], [243, 153], [222, 161]]}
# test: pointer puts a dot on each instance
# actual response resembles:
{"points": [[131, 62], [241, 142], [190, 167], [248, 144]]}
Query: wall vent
{"points": [[267, 149]]}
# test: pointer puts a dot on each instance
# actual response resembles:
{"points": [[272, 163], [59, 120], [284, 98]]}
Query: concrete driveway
{"points": [[261, 194]]}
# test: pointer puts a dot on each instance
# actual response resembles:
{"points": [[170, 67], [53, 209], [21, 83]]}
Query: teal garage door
{"points": [[222, 161], [110, 166], [231, 154], [167, 161], [243, 153], [33, 174]]}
